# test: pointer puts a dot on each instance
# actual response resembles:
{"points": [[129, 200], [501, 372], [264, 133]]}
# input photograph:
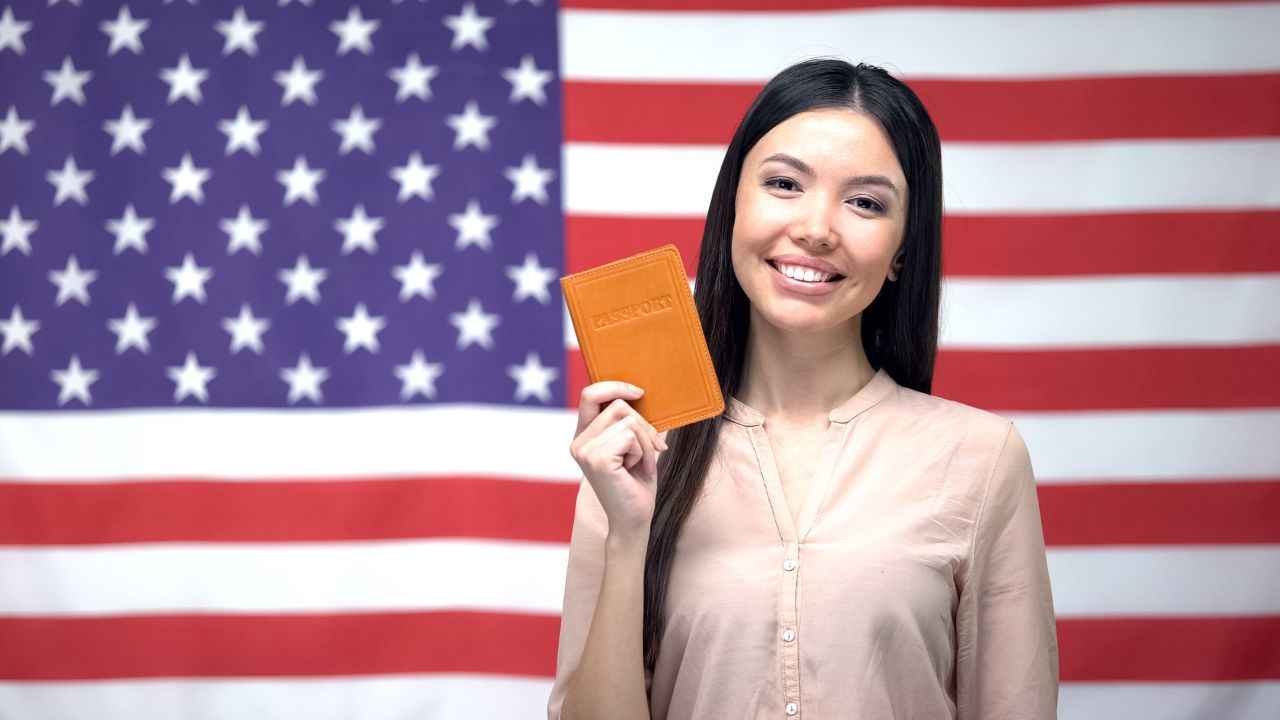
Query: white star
{"points": [[17, 331], [13, 131], [125, 31], [191, 379], [77, 2], [243, 231], [130, 231], [532, 378], [187, 180], [361, 330], [11, 32], [419, 376], [417, 278], [131, 330], [304, 380], [356, 131], [531, 280], [468, 28], [127, 131], [303, 281], [473, 227], [307, 3], [358, 231], [300, 182], [17, 232], [67, 82], [354, 32], [415, 178], [240, 33], [474, 325], [471, 128], [184, 81], [73, 283], [527, 81], [246, 330], [298, 82], [529, 180], [413, 80], [74, 382], [188, 279], [69, 182], [242, 132]]}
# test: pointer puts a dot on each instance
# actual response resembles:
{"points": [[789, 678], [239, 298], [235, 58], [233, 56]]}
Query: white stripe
{"points": [[529, 578], [295, 577], [399, 697], [1120, 445], [979, 178], [1152, 446], [1110, 311], [1114, 311], [1169, 701], [482, 697], [1172, 39], [307, 444], [1165, 581]]}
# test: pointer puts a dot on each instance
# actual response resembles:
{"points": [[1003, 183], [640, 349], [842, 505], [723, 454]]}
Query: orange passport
{"points": [[636, 322]]}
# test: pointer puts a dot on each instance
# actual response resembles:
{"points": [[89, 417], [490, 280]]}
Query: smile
{"points": [[793, 279]]}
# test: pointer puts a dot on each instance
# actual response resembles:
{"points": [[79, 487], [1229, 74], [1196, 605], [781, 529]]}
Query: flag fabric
{"points": [[287, 387]]}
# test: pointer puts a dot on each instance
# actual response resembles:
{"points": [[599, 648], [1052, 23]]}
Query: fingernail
{"points": [[634, 389]]}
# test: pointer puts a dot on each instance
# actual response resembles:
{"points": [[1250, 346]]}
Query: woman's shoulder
{"points": [[923, 413]]}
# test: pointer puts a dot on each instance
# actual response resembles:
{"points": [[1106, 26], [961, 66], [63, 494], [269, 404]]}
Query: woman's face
{"points": [[821, 191]]}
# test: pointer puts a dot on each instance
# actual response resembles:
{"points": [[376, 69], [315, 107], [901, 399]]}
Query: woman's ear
{"points": [[895, 266]]}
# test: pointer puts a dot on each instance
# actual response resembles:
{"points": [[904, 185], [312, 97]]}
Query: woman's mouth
{"points": [[802, 280]]}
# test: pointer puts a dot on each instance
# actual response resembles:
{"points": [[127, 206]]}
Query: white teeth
{"points": [[803, 274]]}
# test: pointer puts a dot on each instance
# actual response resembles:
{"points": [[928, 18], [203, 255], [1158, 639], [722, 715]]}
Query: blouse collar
{"points": [[867, 396]]}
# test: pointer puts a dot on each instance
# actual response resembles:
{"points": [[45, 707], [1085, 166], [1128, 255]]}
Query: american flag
{"points": [[286, 384]]}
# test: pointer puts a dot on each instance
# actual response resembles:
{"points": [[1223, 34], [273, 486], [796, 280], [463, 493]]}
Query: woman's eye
{"points": [[865, 203], [785, 184]]}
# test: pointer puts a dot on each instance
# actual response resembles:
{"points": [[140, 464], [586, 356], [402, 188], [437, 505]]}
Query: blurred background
{"points": [[287, 384]]}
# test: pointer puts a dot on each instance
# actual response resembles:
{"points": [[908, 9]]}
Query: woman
{"points": [[839, 543]]}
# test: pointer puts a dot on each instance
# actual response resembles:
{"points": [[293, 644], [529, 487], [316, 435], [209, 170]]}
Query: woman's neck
{"points": [[796, 378]]}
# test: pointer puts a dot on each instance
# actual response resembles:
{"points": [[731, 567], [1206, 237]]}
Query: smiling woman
{"points": [[840, 542]]}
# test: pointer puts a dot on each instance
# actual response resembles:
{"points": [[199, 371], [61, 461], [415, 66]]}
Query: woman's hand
{"points": [[617, 450]]}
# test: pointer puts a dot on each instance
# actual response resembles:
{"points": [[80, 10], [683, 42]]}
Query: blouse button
{"points": [[789, 565], [789, 635], [792, 709]]}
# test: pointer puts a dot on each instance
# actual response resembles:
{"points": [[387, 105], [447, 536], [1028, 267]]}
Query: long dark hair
{"points": [[899, 328]]}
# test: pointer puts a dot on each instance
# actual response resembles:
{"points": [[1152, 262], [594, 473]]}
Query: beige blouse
{"points": [[913, 585]]}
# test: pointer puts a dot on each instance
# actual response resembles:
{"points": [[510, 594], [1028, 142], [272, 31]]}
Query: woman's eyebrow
{"points": [[804, 167]]}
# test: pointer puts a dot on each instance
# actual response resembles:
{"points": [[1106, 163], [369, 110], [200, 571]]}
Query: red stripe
{"points": [[1095, 379], [198, 511], [1029, 110], [1207, 513], [1037, 245], [794, 5], [1125, 379], [277, 645], [1217, 512], [1169, 649], [1135, 649]]}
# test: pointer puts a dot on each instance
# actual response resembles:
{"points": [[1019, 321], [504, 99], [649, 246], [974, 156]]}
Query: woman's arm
{"points": [[610, 680], [1007, 646], [600, 669]]}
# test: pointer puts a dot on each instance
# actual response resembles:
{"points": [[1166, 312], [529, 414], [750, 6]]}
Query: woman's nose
{"points": [[813, 222]]}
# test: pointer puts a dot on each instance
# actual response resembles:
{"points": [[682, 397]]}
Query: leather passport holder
{"points": [[636, 322]]}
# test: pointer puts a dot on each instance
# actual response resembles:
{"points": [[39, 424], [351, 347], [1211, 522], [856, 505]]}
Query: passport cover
{"points": [[636, 322]]}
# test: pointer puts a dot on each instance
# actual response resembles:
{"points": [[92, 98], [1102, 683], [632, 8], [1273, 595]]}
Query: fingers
{"points": [[597, 395], [632, 441]]}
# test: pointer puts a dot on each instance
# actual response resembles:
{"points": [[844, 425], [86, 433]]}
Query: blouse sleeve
{"points": [[581, 590], [1007, 646]]}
